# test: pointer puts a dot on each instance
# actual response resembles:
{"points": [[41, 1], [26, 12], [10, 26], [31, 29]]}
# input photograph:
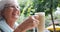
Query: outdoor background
{"points": [[30, 7]]}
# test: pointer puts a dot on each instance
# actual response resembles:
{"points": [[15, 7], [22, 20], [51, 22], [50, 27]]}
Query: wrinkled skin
{"points": [[11, 14]]}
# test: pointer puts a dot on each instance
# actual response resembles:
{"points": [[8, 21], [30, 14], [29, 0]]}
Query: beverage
{"points": [[41, 18]]}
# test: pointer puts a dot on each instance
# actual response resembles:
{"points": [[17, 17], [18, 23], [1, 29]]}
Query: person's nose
{"points": [[17, 11]]}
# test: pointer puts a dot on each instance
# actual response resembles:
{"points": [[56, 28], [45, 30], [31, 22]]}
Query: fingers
{"points": [[35, 21], [36, 17], [30, 22]]}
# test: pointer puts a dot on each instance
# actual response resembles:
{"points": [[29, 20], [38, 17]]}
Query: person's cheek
{"points": [[9, 12], [11, 9]]}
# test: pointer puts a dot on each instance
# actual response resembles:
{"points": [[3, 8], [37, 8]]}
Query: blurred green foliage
{"points": [[29, 7]]}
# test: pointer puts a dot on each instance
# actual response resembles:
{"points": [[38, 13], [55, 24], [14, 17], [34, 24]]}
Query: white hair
{"points": [[3, 2]]}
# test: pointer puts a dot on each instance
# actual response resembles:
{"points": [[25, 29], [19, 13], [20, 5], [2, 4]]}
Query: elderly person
{"points": [[9, 13]]}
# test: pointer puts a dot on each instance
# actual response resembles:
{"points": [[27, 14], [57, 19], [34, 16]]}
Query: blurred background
{"points": [[30, 7]]}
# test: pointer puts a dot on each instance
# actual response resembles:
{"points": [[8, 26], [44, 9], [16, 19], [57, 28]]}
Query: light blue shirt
{"points": [[5, 27]]}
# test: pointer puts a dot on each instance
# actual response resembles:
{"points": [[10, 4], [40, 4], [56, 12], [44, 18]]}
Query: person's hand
{"points": [[29, 23]]}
